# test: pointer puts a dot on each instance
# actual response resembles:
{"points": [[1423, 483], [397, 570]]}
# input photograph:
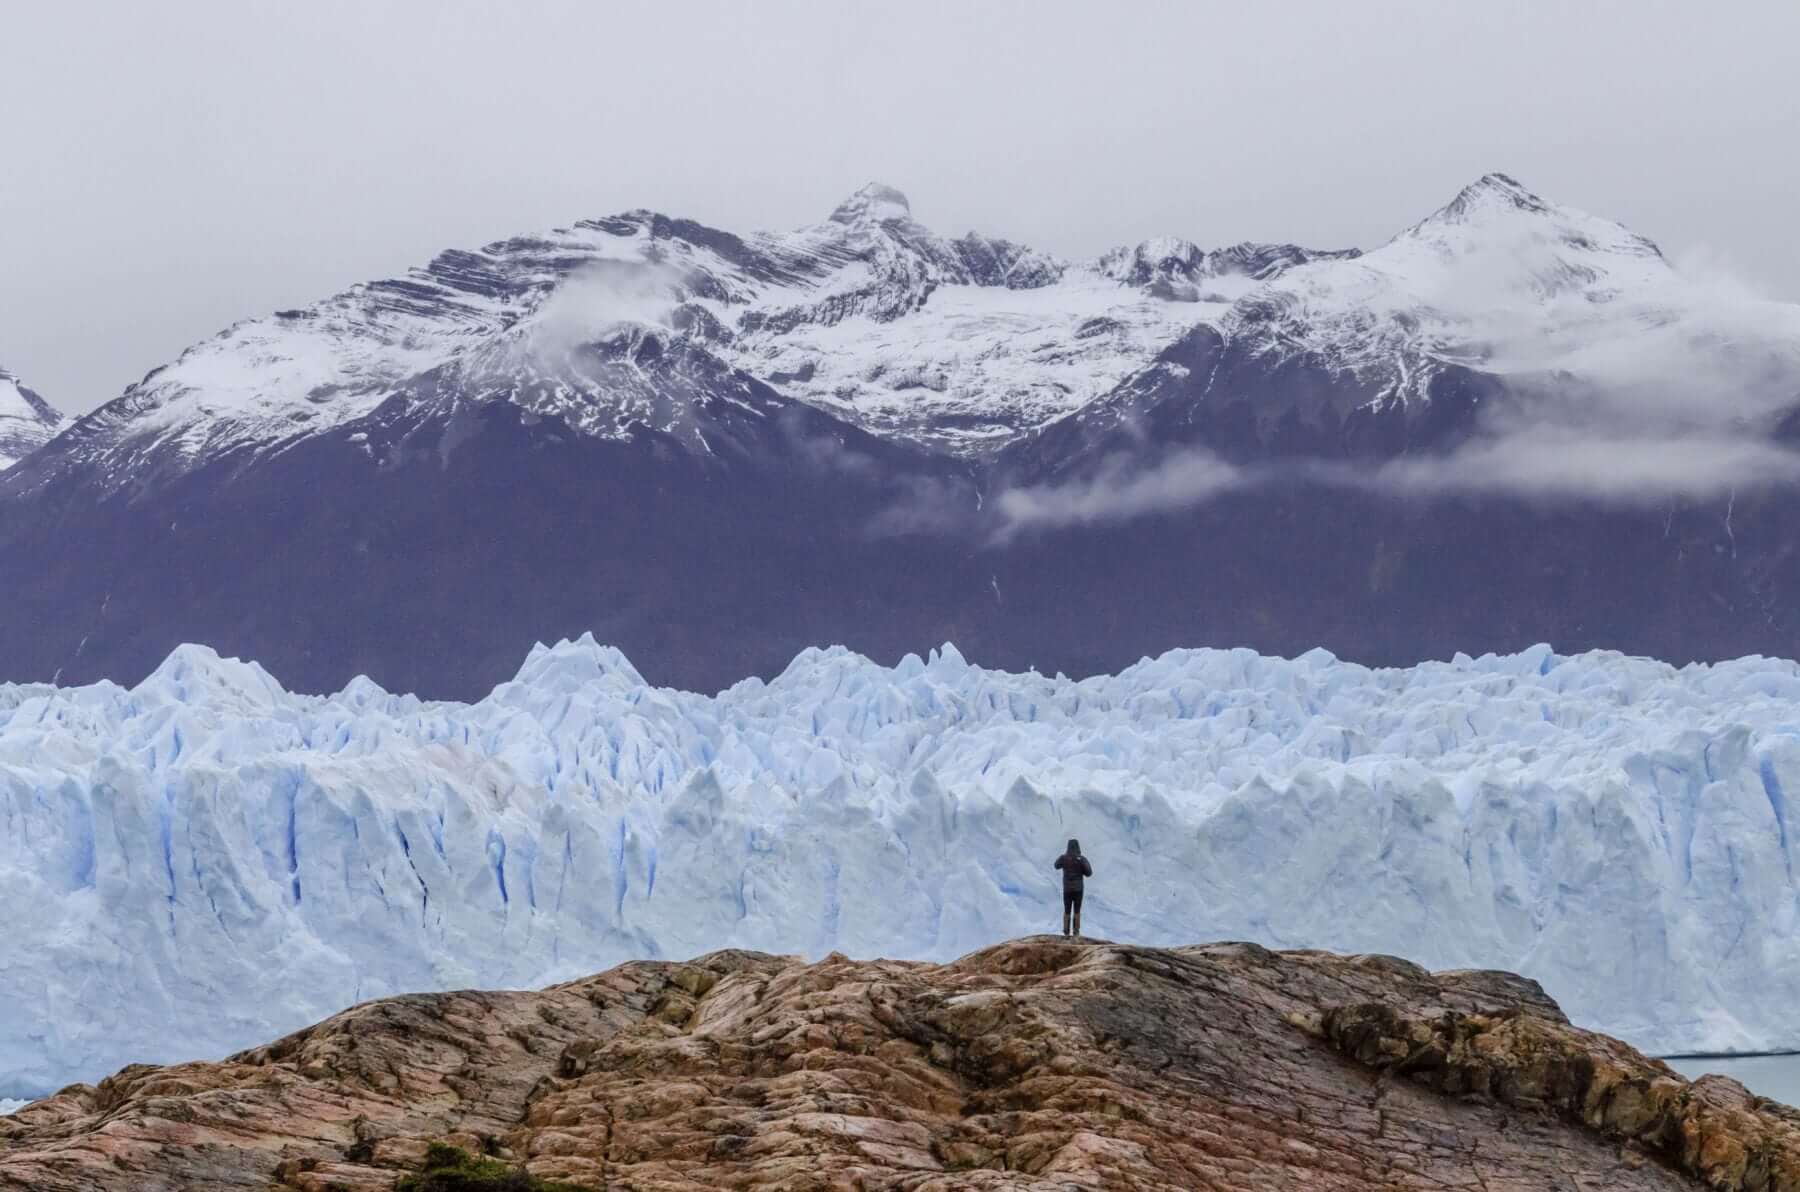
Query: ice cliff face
{"points": [[27, 421], [205, 860]]}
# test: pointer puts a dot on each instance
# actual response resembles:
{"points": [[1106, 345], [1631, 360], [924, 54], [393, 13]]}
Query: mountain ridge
{"points": [[265, 379], [718, 449], [948, 377], [27, 421]]}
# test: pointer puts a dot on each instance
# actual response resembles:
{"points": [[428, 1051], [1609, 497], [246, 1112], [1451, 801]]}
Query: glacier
{"points": [[206, 860]]}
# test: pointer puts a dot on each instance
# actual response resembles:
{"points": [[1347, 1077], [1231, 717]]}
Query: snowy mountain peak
{"points": [[1514, 285], [1492, 191], [1496, 211], [876, 202], [645, 324], [1174, 270], [1161, 256], [27, 421]]}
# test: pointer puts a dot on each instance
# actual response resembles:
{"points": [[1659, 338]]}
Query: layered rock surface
{"points": [[1041, 1063]]}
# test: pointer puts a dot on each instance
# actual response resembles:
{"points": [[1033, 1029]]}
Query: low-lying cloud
{"points": [[601, 299], [1549, 464], [1119, 491], [1608, 400], [1546, 464]]}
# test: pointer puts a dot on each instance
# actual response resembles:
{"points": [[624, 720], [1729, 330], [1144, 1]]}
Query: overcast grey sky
{"points": [[168, 169]]}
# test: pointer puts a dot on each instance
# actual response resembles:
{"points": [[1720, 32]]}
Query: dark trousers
{"points": [[1071, 902]]}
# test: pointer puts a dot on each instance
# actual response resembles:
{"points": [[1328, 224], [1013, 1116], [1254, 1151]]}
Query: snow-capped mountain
{"points": [[965, 346], [1502, 281], [1572, 318], [718, 449], [27, 421], [959, 344], [208, 860]]}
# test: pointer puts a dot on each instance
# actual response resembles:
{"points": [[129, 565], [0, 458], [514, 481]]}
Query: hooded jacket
{"points": [[1074, 868]]}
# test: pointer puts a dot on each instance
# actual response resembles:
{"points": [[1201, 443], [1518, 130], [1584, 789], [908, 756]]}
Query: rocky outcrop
{"points": [[1711, 1129], [1041, 1063]]}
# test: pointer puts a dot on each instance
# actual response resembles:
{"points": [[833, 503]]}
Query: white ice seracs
{"points": [[205, 861]]}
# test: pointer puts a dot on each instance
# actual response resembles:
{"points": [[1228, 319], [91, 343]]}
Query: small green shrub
{"points": [[452, 1169]]}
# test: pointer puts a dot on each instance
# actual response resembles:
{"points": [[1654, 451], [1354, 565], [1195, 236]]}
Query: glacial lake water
{"points": [[1776, 1077]]}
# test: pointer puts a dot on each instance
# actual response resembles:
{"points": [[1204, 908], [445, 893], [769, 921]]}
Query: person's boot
{"points": [[1065, 920], [1078, 922]]}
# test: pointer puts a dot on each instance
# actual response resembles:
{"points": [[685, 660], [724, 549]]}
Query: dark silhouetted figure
{"points": [[1074, 868]]}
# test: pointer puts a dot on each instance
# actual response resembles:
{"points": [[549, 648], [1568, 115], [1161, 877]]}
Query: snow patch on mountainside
{"points": [[975, 365], [210, 860], [27, 421], [967, 344]]}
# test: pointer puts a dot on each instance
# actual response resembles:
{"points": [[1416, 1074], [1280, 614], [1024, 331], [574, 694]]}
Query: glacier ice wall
{"points": [[205, 860]]}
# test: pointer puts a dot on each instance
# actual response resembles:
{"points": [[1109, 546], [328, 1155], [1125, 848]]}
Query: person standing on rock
{"points": [[1075, 869]]}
